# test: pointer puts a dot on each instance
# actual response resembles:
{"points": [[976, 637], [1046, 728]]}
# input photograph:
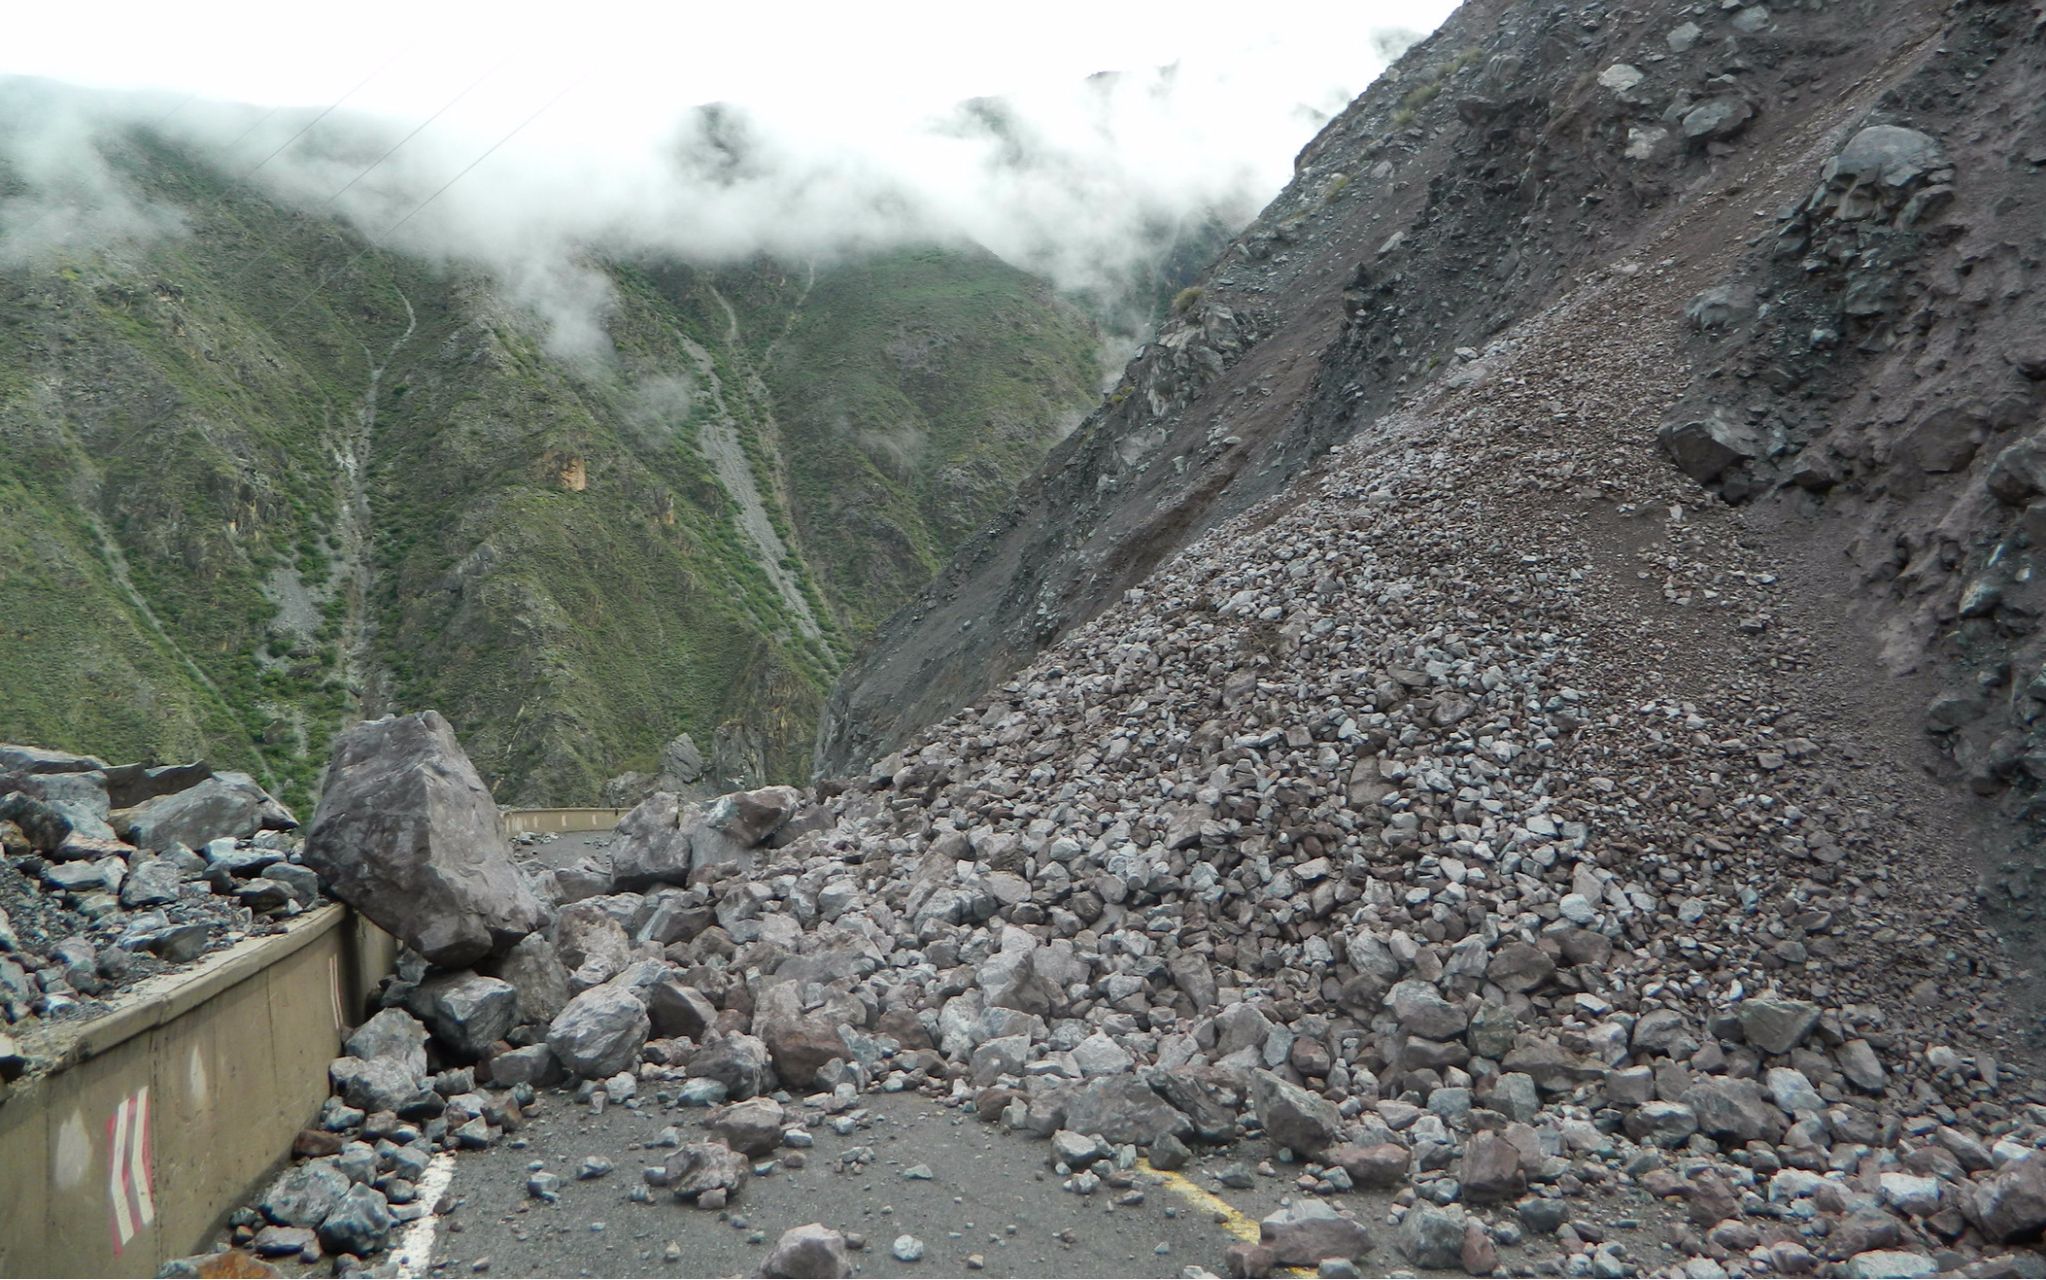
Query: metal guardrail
{"points": [[543, 821]]}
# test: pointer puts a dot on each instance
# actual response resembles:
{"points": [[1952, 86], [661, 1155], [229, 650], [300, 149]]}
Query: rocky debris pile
{"points": [[1859, 236], [1524, 144], [1371, 831], [1885, 183], [502, 989], [115, 872]]}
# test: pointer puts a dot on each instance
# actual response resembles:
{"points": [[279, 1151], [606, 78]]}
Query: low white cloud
{"points": [[838, 131]]}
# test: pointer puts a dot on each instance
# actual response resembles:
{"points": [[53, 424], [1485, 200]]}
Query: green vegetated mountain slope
{"points": [[254, 482], [920, 384]]}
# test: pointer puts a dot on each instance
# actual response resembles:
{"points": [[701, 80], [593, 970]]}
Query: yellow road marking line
{"points": [[1225, 1215], [1232, 1219]]}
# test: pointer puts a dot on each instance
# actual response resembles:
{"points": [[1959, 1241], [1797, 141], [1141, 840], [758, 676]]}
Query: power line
{"points": [[374, 241], [449, 105], [261, 120], [331, 108]]}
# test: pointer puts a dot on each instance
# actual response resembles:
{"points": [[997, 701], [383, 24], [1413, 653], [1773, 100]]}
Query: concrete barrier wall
{"points": [[166, 1114], [520, 821]]}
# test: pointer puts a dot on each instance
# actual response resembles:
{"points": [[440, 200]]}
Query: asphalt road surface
{"points": [[989, 1194]]}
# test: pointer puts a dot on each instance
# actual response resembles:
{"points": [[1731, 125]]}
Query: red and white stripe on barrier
{"points": [[130, 1175]]}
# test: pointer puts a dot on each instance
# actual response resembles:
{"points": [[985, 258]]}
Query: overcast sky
{"points": [[657, 56], [587, 107]]}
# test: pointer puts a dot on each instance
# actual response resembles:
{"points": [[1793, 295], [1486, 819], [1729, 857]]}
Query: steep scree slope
{"points": [[1517, 147]]}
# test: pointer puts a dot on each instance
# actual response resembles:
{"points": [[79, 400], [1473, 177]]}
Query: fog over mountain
{"points": [[528, 164]]}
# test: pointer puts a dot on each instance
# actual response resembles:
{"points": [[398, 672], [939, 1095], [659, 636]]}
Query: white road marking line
{"points": [[414, 1254]]}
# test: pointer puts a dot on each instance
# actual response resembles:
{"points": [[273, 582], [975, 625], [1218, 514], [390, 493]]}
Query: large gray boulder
{"points": [[129, 785], [2019, 472], [737, 1061], [81, 790], [599, 1033], [665, 841], [2012, 1205], [678, 1009], [1776, 1025], [1734, 1111], [1433, 1238], [1717, 118], [407, 834], [1886, 155], [1703, 448], [1123, 1109], [373, 1084], [1293, 1117], [208, 810], [751, 1128], [535, 971], [466, 1011], [18, 758], [1305, 1233], [698, 1168], [591, 944], [395, 1035], [682, 772], [304, 1196], [811, 1250], [50, 824], [360, 1223], [652, 843]]}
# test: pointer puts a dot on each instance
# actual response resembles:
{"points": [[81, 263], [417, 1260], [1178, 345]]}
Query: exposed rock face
{"points": [[683, 772], [407, 834]]}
